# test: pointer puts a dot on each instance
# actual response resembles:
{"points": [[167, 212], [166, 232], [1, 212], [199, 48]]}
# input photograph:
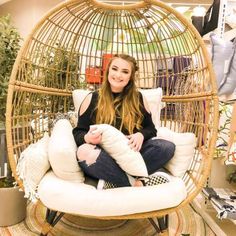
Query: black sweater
{"points": [[88, 118]]}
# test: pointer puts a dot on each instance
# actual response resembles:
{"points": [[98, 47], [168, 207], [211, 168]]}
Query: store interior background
{"points": [[25, 14]]}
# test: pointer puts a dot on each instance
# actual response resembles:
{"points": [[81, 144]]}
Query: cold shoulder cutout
{"points": [[85, 104]]}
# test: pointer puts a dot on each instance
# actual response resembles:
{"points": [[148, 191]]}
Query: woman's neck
{"points": [[116, 94]]}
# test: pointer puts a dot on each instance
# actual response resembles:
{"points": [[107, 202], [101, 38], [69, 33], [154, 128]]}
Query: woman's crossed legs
{"points": [[97, 163]]}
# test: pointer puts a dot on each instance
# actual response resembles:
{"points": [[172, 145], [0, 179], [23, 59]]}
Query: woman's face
{"points": [[119, 74]]}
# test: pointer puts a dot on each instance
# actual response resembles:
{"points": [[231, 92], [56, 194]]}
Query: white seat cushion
{"points": [[83, 199]]}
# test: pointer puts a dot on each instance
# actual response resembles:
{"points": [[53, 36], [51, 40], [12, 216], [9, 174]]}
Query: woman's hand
{"points": [[136, 141], [93, 136]]}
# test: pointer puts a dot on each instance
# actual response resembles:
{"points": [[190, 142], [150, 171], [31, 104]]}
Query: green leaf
{"points": [[9, 47]]}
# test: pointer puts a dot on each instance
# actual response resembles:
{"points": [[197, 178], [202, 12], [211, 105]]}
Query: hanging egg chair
{"points": [[69, 49]]}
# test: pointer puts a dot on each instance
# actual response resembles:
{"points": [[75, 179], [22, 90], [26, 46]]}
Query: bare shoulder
{"points": [[85, 103]]}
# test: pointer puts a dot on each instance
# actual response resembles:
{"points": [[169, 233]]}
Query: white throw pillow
{"points": [[184, 150], [116, 144], [32, 166], [153, 97], [62, 152], [224, 63]]}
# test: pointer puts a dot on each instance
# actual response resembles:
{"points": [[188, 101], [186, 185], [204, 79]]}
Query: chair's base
{"points": [[52, 217], [51, 220], [93, 223], [161, 224]]}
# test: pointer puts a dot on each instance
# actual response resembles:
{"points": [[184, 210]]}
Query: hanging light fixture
{"points": [[199, 11]]}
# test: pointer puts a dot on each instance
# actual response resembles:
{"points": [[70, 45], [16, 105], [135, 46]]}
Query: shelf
{"points": [[223, 200], [223, 227]]}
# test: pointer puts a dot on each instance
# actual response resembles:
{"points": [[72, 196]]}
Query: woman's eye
{"points": [[114, 68], [126, 72]]}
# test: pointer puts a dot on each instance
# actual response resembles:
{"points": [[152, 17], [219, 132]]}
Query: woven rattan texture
{"points": [[69, 49]]}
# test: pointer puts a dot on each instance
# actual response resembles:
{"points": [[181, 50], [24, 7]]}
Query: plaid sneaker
{"points": [[156, 178], [102, 184]]}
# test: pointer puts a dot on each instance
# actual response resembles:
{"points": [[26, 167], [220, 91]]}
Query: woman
{"points": [[120, 104]]}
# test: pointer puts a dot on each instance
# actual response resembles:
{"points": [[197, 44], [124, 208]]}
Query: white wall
{"points": [[26, 13]]}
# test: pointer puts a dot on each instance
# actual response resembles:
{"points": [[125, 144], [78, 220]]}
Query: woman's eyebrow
{"points": [[123, 69]]}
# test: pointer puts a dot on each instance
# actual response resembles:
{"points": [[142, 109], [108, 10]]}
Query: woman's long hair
{"points": [[126, 106]]}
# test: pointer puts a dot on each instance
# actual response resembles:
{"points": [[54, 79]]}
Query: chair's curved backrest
{"points": [[70, 47]]}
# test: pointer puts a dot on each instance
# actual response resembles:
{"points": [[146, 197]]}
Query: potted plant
{"points": [[12, 201]]}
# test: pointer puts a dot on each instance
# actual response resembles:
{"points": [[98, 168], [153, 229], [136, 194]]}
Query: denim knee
{"points": [[156, 153], [107, 169], [168, 149]]}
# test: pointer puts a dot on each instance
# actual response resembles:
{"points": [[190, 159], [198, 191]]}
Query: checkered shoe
{"points": [[102, 184], [156, 178]]}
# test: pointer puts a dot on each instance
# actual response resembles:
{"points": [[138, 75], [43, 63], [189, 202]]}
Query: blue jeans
{"points": [[156, 153]]}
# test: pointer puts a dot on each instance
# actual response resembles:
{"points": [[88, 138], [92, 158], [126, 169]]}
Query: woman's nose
{"points": [[118, 74]]}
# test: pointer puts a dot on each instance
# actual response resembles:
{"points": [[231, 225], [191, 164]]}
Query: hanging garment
{"points": [[211, 18], [198, 22]]}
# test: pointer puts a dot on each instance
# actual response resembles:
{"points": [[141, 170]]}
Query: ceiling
{"points": [[182, 2], [189, 5], [186, 5]]}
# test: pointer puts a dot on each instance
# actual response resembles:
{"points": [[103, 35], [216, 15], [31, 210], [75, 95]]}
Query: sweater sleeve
{"points": [[84, 122], [79, 136], [148, 128]]}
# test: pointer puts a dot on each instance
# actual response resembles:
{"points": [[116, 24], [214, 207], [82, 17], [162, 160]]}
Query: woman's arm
{"points": [[84, 120], [148, 128], [85, 104]]}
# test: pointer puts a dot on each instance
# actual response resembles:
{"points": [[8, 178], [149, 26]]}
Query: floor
{"points": [[184, 222]]}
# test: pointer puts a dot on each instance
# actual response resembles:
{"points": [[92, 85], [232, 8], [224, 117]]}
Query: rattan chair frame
{"points": [[38, 90]]}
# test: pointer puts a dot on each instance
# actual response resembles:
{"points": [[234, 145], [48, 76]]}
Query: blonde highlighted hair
{"points": [[126, 105]]}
